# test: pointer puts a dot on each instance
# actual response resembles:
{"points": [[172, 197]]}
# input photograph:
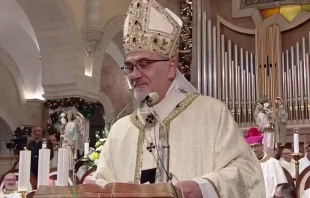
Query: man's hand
{"points": [[190, 189]]}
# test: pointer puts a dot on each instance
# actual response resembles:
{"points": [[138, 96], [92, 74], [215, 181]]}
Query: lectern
{"points": [[121, 190]]}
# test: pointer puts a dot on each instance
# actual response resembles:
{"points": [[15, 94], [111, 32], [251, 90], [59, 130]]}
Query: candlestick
{"points": [[296, 141], [44, 167], [23, 194], [86, 147], [24, 170], [63, 167], [44, 144]]}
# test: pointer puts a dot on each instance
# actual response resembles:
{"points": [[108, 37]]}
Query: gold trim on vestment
{"points": [[14, 190], [134, 118], [265, 158], [214, 187]]}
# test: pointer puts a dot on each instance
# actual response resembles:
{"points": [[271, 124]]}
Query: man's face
{"points": [[38, 132], [287, 154], [151, 73], [258, 149], [10, 181], [53, 139]]}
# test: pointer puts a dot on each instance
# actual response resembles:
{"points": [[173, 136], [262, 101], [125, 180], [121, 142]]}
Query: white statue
{"points": [[264, 117], [72, 128]]}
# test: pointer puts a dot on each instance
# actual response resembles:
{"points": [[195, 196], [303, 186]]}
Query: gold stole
{"points": [[265, 158], [134, 118], [6, 192]]}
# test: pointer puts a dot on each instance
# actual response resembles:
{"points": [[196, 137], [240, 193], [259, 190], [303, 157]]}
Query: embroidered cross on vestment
{"points": [[151, 147]]}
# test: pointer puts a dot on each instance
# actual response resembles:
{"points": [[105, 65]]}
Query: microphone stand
{"points": [[165, 175]]}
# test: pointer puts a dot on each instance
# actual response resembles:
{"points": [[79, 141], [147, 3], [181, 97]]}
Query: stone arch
{"points": [[10, 64], [109, 110], [115, 53], [112, 28], [9, 121], [58, 36]]}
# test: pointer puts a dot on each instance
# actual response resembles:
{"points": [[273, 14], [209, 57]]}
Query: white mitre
{"points": [[149, 27]]}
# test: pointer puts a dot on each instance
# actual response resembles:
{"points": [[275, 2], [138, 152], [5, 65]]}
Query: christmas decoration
{"points": [[86, 108], [185, 48]]}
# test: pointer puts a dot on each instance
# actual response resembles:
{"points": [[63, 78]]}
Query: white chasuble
{"points": [[9, 194], [206, 146], [306, 193], [273, 174], [289, 166]]}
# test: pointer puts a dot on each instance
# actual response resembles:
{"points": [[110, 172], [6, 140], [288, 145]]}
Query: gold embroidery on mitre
{"points": [[149, 27]]}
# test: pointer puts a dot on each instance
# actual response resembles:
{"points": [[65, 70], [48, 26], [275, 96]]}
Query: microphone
{"points": [[151, 99], [165, 175]]}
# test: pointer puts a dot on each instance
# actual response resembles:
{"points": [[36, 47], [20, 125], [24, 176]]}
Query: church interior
{"points": [[64, 57]]}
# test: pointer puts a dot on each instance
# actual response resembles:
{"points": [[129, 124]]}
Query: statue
{"points": [[72, 130], [280, 121], [264, 117]]}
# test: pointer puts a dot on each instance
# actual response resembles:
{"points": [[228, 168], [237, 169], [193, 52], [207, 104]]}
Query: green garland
{"points": [[86, 108], [186, 45]]}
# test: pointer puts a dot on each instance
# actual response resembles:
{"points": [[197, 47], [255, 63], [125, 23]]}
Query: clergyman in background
{"points": [[287, 161], [10, 187]]}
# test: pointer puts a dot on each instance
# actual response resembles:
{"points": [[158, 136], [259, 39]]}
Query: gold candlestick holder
{"points": [[23, 194], [296, 157]]}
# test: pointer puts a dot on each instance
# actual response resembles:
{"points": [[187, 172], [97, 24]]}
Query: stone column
{"points": [[33, 113], [92, 33], [92, 22]]}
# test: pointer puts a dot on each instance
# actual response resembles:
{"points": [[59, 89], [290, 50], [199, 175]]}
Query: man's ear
{"points": [[173, 66]]}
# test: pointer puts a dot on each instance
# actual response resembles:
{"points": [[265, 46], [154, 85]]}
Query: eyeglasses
{"points": [[142, 66], [10, 180]]}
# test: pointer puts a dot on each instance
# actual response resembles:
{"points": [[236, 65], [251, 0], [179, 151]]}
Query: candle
{"points": [[44, 144], [63, 167], [24, 171], [44, 166], [86, 147], [296, 142]]}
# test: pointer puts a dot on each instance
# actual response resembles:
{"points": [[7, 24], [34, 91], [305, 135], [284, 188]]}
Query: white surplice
{"points": [[206, 146], [8, 194], [273, 174], [303, 163], [306, 193], [289, 166]]}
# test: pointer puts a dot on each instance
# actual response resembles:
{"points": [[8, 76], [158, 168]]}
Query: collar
{"points": [[282, 160], [163, 108], [264, 158], [10, 191]]}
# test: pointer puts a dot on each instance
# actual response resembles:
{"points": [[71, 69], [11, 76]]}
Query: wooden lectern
{"points": [[123, 190]]}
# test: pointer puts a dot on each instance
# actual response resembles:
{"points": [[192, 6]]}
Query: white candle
{"points": [[296, 142], [44, 145], [24, 171], [63, 167], [44, 166], [86, 148]]}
